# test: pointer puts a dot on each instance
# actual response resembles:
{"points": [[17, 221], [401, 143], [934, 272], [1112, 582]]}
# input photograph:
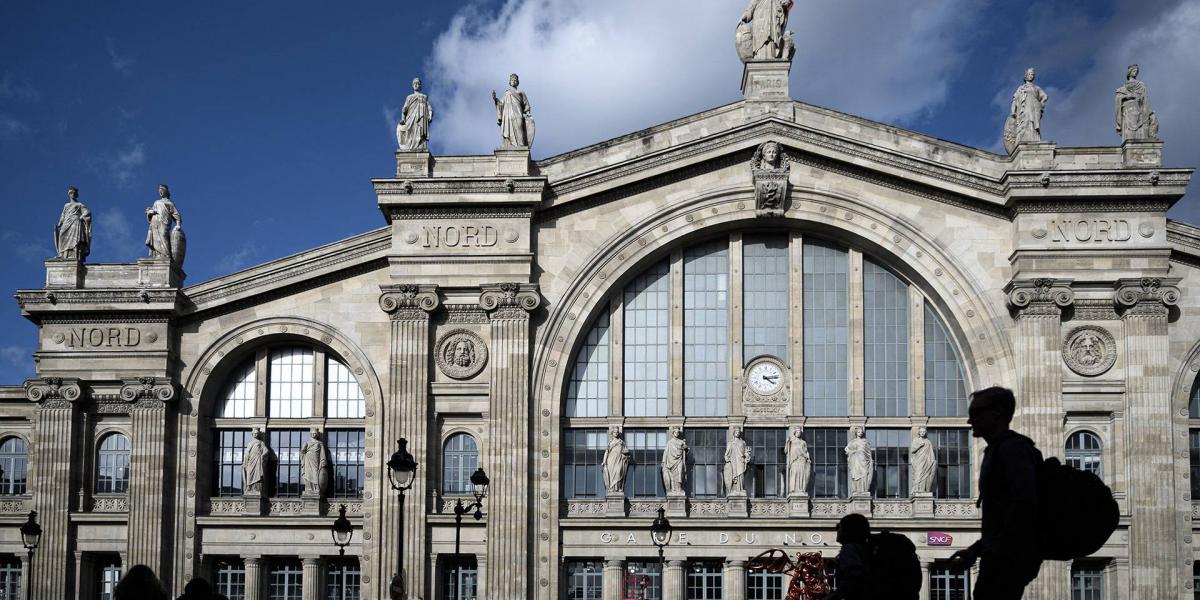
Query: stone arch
{"points": [[1185, 378], [970, 314]]}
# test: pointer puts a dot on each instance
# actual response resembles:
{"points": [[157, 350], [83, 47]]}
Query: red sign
{"points": [[937, 538]]}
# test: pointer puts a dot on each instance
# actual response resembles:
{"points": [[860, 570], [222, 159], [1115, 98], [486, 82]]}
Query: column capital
{"points": [[736, 563], [409, 300], [503, 297], [310, 560], [53, 392], [1146, 295], [149, 392], [1041, 296], [674, 563]]}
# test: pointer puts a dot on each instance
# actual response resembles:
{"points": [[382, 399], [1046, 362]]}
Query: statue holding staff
{"points": [[73, 233]]}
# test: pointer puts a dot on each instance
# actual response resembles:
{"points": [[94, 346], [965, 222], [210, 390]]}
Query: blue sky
{"points": [[268, 119]]}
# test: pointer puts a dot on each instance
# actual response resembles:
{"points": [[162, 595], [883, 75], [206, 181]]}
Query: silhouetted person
{"points": [[1008, 491], [197, 589], [853, 570], [140, 583]]}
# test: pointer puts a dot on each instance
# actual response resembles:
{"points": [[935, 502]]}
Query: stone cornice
{"points": [[1038, 296], [83, 300], [387, 188], [409, 301], [147, 389], [53, 390], [503, 296], [1146, 294]]}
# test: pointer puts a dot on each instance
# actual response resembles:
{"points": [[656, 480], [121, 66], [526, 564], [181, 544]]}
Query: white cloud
{"points": [[391, 116], [14, 90], [11, 128], [17, 356], [120, 64], [121, 164], [24, 246], [243, 257], [595, 70], [113, 237]]}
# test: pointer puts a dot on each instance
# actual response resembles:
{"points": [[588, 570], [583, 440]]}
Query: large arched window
{"points": [[1085, 453], [112, 464], [14, 466], [843, 336], [460, 458]]}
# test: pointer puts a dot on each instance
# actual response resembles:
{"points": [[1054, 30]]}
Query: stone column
{"points": [[311, 578], [1038, 306], [1154, 541], [53, 433], [614, 579], [253, 565], [925, 581], [734, 579], [507, 446], [673, 581], [408, 391], [147, 471]]}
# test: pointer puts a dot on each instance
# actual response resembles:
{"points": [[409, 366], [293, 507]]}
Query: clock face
{"points": [[765, 378]]}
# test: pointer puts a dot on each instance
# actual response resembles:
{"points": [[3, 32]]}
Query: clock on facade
{"points": [[765, 376]]}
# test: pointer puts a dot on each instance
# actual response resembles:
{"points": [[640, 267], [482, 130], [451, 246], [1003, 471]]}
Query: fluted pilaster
{"points": [[507, 453], [312, 578], [735, 580], [254, 582], [53, 429], [409, 307], [1154, 541], [673, 580], [614, 579], [147, 500]]}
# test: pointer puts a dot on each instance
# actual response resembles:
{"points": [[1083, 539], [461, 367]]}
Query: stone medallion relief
{"points": [[1089, 350], [461, 354]]}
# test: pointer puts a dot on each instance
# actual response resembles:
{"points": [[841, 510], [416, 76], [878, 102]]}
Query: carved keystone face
{"points": [[771, 154]]}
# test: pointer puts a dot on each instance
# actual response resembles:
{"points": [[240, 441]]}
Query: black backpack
{"points": [[1076, 512], [895, 570]]}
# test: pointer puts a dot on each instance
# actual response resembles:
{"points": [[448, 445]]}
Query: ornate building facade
{"points": [[770, 267]]}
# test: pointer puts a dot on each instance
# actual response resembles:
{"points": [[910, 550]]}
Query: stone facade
{"points": [[465, 313]]}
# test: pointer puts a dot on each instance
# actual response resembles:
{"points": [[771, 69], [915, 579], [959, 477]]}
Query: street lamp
{"points": [[660, 534], [479, 483], [342, 531], [31, 534], [402, 472]]}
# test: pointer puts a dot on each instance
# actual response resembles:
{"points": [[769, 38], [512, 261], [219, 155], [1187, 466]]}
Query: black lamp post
{"points": [[31, 534], [342, 531], [479, 482], [660, 534], [402, 472]]}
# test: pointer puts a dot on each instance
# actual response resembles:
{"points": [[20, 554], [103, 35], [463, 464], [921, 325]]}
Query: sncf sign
{"points": [[937, 538]]}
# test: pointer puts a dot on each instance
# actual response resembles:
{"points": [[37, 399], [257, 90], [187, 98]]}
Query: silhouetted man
{"points": [[853, 571], [1008, 491]]}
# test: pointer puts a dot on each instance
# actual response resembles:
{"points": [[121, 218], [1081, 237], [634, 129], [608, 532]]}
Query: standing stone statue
{"points": [[73, 233], [254, 462], [514, 116], [314, 463], [412, 133], [860, 462], [737, 461], [163, 241], [616, 463], [923, 457], [799, 464], [673, 462], [1135, 120], [762, 31], [1024, 123]]}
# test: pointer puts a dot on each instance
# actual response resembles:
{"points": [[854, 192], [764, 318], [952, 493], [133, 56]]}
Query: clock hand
{"points": [[771, 378]]}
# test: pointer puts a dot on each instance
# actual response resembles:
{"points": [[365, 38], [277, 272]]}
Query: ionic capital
{"points": [[1146, 295], [148, 391], [1043, 295], [409, 300], [506, 296], [53, 392]]}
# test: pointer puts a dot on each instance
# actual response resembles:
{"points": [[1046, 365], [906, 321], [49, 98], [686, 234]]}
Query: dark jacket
{"points": [[852, 573], [1008, 491]]}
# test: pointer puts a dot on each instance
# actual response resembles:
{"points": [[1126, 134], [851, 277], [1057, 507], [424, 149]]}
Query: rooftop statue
{"points": [[762, 31], [514, 116], [164, 241], [412, 133], [1135, 120], [1024, 122], [73, 233]]}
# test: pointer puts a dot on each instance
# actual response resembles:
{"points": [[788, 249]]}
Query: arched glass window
{"points": [[460, 458], [291, 391], [826, 330], [112, 464], [885, 343], [14, 466], [1085, 453], [647, 332], [945, 386], [706, 329], [238, 400], [344, 399], [587, 395]]}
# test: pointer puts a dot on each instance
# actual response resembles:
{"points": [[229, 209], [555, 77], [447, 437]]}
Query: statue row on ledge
{"points": [[860, 462], [1135, 120], [513, 114], [73, 233], [314, 464]]}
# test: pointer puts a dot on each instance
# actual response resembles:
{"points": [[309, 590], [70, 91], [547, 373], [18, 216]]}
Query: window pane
{"points": [[1087, 581], [706, 329], [945, 387], [459, 460], [885, 342], [643, 580], [1084, 453], [705, 458], [945, 584], [645, 476], [342, 580], [585, 580], [285, 581], [827, 447], [953, 477], [231, 579], [227, 462], [1194, 401], [768, 463], [704, 581], [10, 578], [826, 330], [1194, 455], [460, 578], [291, 390], [583, 453], [108, 572], [345, 397], [647, 328], [765, 316], [287, 444], [14, 467], [891, 462], [112, 465], [587, 394], [346, 448], [238, 401], [761, 585]]}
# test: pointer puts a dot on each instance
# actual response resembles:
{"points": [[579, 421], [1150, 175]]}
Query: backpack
{"points": [[1076, 512], [894, 568]]}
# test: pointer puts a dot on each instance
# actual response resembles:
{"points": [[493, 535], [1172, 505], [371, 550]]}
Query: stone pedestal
{"points": [[922, 504], [676, 505], [765, 88], [1141, 154], [413, 164], [859, 503], [798, 505], [1030, 156], [254, 506], [738, 505], [310, 503], [512, 161], [614, 506], [64, 273], [159, 273]]}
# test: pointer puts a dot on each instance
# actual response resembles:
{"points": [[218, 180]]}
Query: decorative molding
{"points": [[285, 506], [15, 505], [771, 186], [147, 388], [711, 510], [1093, 309], [644, 508], [460, 185], [829, 508], [405, 213], [110, 504], [1043, 296], [893, 508], [585, 508], [508, 300], [50, 389], [1147, 296], [772, 508], [464, 314], [409, 301], [28, 298], [961, 509], [461, 354], [227, 506], [1089, 350]]}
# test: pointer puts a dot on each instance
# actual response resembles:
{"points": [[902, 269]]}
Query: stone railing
{"points": [[226, 506], [892, 508], [110, 504], [585, 508], [829, 508], [644, 508], [769, 507], [1196, 512], [955, 509], [708, 509], [444, 505], [285, 506], [10, 505]]}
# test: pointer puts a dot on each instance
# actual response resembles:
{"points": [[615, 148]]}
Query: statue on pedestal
{"points": [[1135, 120], [314, 464], [73, 233], [769, 168], [254, 463], [674, 461], [514, 116], [616, 463], [799, 464], [762, 31], [923, 457], [737, 461], [1024, 123], [412, 133], [861, 463], [163, 241]]}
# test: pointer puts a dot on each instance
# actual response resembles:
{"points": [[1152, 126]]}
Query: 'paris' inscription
{"points": [[464, 236], [1090, 230]]}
